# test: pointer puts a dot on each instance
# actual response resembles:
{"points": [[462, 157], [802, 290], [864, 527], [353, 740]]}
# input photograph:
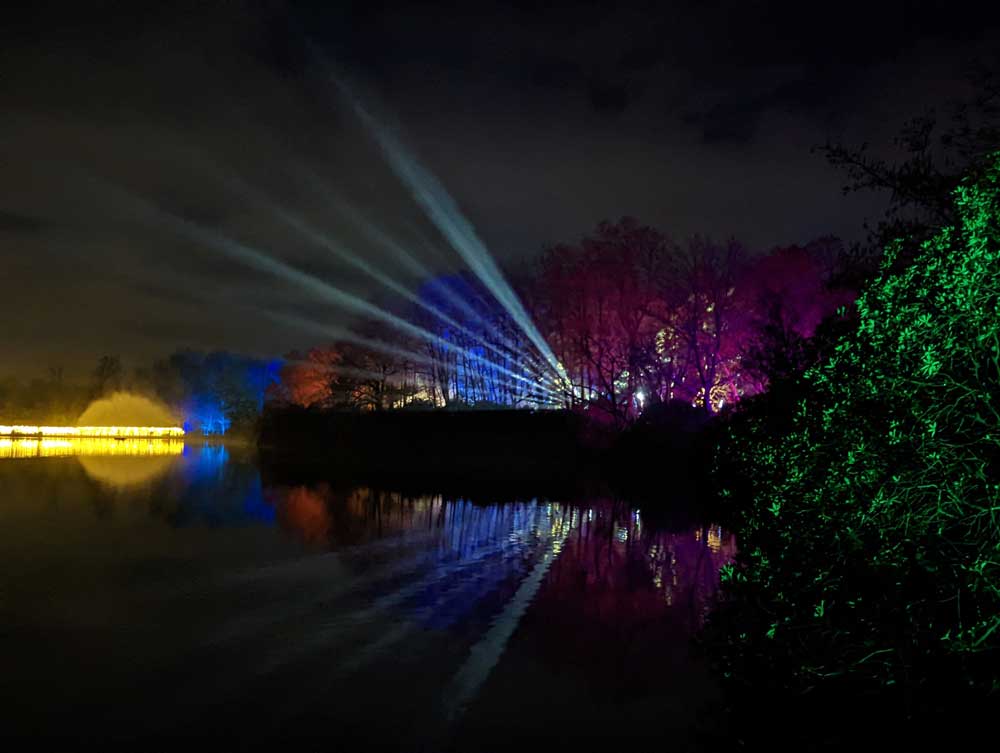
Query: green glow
{"points": [[871, 543]]}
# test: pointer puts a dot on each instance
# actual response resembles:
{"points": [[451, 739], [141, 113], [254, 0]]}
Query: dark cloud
{"points": [[15, 223], [608, 96], [123, 121]]}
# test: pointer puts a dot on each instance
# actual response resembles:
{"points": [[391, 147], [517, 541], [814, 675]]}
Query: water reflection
{"points": [[592, 573], [601, 540], [238, 608], [115, 462], [210, 489]]}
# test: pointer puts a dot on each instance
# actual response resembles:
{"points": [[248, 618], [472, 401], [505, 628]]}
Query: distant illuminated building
{"points": [[20, 446], [114, 432]]}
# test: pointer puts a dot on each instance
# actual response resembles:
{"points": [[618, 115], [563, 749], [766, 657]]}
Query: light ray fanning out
{"points": [[322, 290], [353, 259], [442, 210]]}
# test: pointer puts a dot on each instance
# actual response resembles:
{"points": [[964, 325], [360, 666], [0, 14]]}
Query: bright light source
{"points": [[135, 432]]}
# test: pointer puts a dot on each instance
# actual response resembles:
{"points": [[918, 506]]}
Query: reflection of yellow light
{"points": [[714, 538], [160, 432], [92, 446]]}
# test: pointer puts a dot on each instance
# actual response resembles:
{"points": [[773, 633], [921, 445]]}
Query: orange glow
{"points": [[147, 432], [304, 511]]}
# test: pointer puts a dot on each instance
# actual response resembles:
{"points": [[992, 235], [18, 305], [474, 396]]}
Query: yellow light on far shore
{"points": [[35, 447], [113, 432]]}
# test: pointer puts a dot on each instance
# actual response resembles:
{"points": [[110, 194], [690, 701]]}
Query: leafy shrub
{"points": [[870, 550]]}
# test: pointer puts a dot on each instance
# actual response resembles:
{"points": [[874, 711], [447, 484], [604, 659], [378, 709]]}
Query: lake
{"points": [[156, 592]]}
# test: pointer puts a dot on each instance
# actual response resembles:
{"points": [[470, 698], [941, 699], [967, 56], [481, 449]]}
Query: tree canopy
{"points": [[870, 543]]}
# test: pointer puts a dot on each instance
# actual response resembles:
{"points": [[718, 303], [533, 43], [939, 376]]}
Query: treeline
{"points": [[632, 318], [209, 392]]}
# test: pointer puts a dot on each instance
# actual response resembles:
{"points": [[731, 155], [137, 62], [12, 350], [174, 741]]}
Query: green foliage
{"points": [[871, 544]]}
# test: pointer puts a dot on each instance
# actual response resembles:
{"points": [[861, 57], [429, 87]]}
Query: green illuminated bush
{"points": [[871, 543]]}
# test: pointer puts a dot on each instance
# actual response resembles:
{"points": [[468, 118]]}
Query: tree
{"points": [[934, 155], [712, 319], [309, 379], [868, 554], [479, 355], [108, 375], [789, 292], [599, 307], [216, 390]]}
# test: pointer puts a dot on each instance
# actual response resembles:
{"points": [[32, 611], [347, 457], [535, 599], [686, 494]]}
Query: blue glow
{"points": [[222, 389], [207, 416], [206, 469]]}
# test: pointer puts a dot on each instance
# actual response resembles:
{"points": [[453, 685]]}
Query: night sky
{"points": [[122, 124]]}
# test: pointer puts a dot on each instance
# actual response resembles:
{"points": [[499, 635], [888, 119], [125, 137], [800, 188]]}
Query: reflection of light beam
{"points": [[485, 654], [441, 208]]}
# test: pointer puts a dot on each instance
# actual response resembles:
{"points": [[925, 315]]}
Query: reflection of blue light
{"points": [[494, 546], [254, 505], [204, 463], [220, 492]]}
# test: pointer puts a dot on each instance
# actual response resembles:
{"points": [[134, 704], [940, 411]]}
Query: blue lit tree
{"points": [[215, 391]]}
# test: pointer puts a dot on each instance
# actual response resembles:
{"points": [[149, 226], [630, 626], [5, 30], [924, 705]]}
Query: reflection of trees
{"points": [[211, 488], [619, 565], [612, 556], [361, 515], [305, 512], [626, 597]]}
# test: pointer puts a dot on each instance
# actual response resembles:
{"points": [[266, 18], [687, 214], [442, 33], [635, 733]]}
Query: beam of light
{"points": [[346, 300], [345, 335], [382, 346], [351, 212], [349, 257], [334, 368], [442, 210], [112, 432], [379, 237], [327, 292], [322, 290]]}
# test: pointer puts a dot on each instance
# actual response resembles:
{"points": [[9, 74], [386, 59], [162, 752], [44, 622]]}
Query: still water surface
{"points": [[160, 591]]}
